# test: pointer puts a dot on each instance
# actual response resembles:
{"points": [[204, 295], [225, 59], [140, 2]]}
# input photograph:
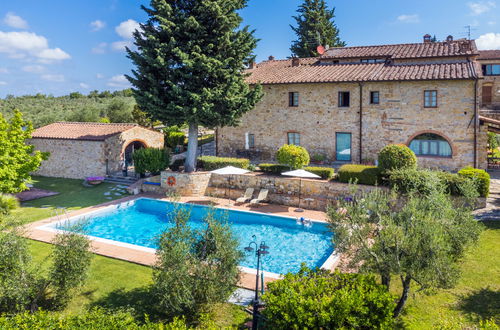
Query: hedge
{"points": [[274, 168], [452, 182], [173, 139], [414, 180], [362, 174], [481, 178], [210, 163], [152, 160], [326, 173]]}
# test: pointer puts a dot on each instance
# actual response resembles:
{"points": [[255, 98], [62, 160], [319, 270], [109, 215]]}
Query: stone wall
{"points": [[71, 159], [115, 145], [494, 82], [185, 184], [399, 117]]}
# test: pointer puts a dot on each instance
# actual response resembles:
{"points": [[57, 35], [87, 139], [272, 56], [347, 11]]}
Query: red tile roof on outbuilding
{"points": [[80, 131], [311, 71]]}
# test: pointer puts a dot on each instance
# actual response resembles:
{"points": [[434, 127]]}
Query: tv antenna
{"points": [[468, 31]]}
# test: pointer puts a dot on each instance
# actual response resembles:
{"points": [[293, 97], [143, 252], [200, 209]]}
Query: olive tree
{"points": [[417, 239]]}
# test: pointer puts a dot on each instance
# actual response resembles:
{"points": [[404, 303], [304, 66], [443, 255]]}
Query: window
{"points": [[344, 99], [430, 144], [294, 138], [491, 69], [249, 141], [430, 99], [372, 60], [374, 97], [293, 99]]}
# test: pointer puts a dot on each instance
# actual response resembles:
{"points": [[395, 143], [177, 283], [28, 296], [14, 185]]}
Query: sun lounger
{"points": [[246, 197], [262, 197]]}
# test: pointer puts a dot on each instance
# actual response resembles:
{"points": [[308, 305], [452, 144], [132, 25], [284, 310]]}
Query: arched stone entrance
{"points": [[129, 150]]}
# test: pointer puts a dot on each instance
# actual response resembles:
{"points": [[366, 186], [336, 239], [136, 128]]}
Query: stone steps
{"points": [[126, 181]]}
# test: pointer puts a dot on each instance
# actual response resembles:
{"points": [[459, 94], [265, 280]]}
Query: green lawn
{"points": [[115, 283], [72, 196], [477, 295]]}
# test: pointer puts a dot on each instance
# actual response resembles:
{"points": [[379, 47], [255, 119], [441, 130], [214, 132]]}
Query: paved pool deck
{"points": [[137, 256]]}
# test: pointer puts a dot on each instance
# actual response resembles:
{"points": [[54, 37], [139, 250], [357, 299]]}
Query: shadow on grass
{"points": [[139, 302], [481, 304]]}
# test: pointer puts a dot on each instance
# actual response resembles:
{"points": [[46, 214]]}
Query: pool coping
{"points": [[41, 231]]}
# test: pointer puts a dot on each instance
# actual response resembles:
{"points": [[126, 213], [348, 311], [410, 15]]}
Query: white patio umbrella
{"points": [[230, 170], [301, 174]]}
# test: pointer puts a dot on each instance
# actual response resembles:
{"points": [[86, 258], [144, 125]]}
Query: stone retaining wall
{"points": [[185, 184]]}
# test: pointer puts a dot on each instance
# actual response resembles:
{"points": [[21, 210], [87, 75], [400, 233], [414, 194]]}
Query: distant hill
{"points": [[96, 106]]}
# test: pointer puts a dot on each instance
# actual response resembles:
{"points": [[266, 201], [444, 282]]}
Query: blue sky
{"points": [[59, 46]]}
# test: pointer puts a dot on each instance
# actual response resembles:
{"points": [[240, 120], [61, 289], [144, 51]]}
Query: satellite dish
{"points": [[320, 49]]}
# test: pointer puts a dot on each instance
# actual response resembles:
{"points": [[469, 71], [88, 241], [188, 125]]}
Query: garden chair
{"points": [[246, 197], [262, 197]]}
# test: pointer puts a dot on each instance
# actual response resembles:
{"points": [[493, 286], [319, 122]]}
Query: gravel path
{"points": [[492, 210]]}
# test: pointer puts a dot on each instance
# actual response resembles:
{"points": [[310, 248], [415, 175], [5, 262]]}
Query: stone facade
{"points": [[398, 118], [79, 158], [71, 159], [491, 83]]}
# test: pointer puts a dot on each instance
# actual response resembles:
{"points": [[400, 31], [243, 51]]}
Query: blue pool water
{"points": [[290, 244]]}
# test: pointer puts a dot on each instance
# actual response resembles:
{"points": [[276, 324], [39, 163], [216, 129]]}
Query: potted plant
{"points": [[318, 159]]}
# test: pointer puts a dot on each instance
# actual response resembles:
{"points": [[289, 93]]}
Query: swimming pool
{"points": [[141, 221]]}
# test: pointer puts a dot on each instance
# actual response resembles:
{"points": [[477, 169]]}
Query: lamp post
{"points": [[260, 250]]}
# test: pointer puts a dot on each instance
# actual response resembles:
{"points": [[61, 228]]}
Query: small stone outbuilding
{"points": [[79, 150]]}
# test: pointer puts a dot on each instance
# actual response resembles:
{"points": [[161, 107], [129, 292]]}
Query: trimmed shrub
{"points": [[152, 160], [8, 203], [415, 180], [273, 168], [480, 177], [318, 299], [174, 139], [210, 163], [395, 157], [362, 174], [326, 173], [293, 156], [452, 182]]}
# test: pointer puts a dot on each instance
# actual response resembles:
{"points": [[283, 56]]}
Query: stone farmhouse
{"points": [[350, 102], [79, 150]]}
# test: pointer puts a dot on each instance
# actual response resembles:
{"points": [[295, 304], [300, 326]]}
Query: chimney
{"points": [[295, 61], [271, 58], [427, 38], [465, 46], [449, 38]]}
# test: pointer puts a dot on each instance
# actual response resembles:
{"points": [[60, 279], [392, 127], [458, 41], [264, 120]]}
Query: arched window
{"points": [[430, 144]]}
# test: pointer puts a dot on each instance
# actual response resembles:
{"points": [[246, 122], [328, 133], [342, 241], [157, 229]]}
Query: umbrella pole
{"points": [[300, 190]]}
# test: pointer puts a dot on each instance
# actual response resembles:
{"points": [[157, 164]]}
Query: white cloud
{"points": [[488, 41], [53, 77], [119, 46], [3, 83], [97, 25], [99, 76], [119, 81], [100, 48], [127, 28], [481, 7], [20, 45], [408, 18], [15, 21], [33, 68], [84, 85]]}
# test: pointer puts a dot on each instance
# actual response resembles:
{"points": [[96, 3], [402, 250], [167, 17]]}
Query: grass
{"points": [[72, 196], [476, 296]]}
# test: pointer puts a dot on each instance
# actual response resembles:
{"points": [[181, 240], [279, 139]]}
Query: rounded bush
{"points": [[319, 299], [8, 203], [293, 156], [395, 157], [481, 179]]}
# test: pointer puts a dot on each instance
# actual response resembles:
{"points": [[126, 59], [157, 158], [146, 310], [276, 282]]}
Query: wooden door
{"points": [[487, 92]]}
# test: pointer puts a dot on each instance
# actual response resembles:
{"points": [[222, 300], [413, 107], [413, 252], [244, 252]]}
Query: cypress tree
{"points": [[315, 26], [190, 62]]}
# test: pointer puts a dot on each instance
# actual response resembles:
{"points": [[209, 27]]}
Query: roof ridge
{"points": [[94, 123], [401, 44]]}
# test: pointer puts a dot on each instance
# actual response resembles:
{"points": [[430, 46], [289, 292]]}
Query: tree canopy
{"points": [[315, 26], [190, 65], [17, 158]]}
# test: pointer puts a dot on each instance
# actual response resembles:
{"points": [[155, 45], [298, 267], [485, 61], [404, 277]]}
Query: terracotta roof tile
{"points": [[311, 71], [400, 51], [80, 131], [489, 54]]}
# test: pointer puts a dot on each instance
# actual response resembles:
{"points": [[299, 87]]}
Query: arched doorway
{"points": [[129, 151]]}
